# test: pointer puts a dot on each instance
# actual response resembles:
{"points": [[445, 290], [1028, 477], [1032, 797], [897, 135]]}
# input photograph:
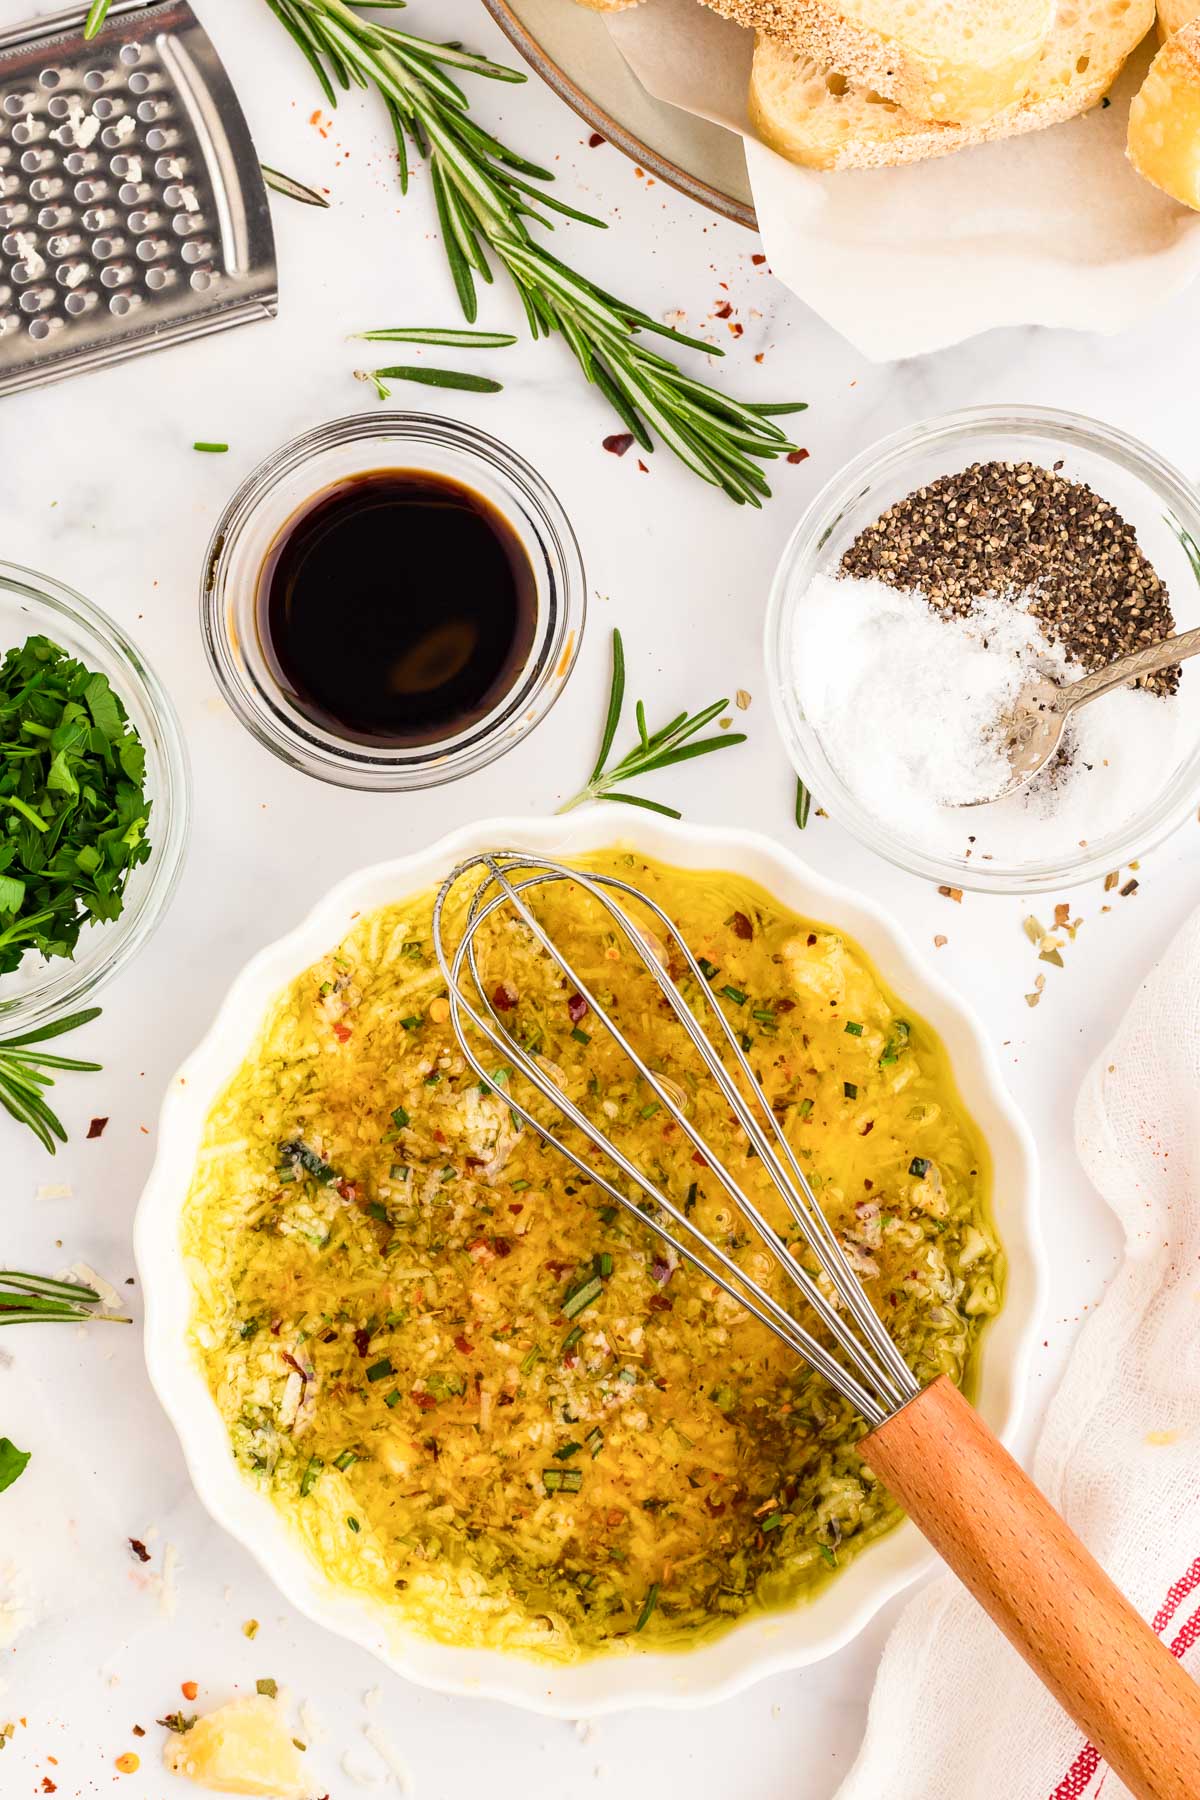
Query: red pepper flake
{"points": [[735, 328], [139, 1550], [291, 1362], [315, 118], [502, 1246], [504, 996], [48, 1786], [189, 1689], [759, 357], [595, 141], [742, 927], [462, 1346], [96, 1128], [642, 466], [362, 1340], [660, 1303], [1131, 887], [618, 443], [951, 893], [420, 1398], [347, 1190], [139, 1731], [699, 1160], [577, 1008], [758, 260], [724, 311], [867, 1129], [341, 1033], [797, 456]]}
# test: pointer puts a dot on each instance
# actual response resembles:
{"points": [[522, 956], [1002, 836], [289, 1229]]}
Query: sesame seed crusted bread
{"points": [[1164, 118], [817, 118], [956, 60]]}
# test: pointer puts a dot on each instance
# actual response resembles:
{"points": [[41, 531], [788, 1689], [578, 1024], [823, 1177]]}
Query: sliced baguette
{"points": [[956, 60], [817, 118], [1164, 118], [1174, 13]]}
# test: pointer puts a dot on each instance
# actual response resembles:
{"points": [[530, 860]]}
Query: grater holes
{"points": [[53, 218], [151, 249], [15, 213], [101, 218], [42, 328], [159, 278], [83, 300], [105, 248], [115, 275], [88, 191], [108, 108], [46, 187], [123, 132], [121, 305], [35, 300], [33, 160], [49, 78], [82, 162], [95, 79], [143, 221], [64, 245], [201, 280], [72, 274], [134, 193], [161, 137], [13, 105], [129, 54]]}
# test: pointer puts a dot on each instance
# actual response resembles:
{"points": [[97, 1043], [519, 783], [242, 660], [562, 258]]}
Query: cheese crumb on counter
{"points": [[242, 1748]]}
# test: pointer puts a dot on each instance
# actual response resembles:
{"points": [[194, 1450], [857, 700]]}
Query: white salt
{"points": [[907, 701]]}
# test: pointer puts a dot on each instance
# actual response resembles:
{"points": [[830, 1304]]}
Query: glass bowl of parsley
{"points": [[93, 799]]}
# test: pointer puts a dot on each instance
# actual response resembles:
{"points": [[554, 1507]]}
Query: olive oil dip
{"points": [[479, 1393]]}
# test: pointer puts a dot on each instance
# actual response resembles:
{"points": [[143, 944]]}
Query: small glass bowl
{"points": [[1155, 499], [264, 506], [40, 990]]}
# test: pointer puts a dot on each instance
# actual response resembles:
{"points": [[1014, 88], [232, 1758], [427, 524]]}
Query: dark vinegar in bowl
{"points": [[397, 608]]}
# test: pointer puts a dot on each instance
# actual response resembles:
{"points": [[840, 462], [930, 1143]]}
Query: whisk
{"points": [[989, 1522]]}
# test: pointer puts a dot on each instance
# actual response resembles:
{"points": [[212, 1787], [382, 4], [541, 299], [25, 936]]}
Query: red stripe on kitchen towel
{"points": [[1078, 1778]]}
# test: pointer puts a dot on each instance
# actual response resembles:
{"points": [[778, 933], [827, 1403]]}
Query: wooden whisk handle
{"points": [[1048, 1595]]}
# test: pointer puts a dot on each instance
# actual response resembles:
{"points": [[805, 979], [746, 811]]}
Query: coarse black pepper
{"points": [[1019, 528]]}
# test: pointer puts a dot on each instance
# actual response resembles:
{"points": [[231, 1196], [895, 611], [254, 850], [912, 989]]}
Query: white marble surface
{"points": [[99, 485]]}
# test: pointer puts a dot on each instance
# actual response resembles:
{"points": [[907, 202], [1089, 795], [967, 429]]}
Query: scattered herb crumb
{"points": [[139, 1550], [96, 1128]]}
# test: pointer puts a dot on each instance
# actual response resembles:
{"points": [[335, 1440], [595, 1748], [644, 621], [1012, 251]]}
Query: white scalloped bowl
{"points": [[757, 1646]]}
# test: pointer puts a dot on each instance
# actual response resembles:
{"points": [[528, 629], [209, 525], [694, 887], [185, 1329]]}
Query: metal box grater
{"points": [[133, 214]]}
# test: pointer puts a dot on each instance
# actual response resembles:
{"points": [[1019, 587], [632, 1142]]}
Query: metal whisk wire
{"points": [[877, 1381]]}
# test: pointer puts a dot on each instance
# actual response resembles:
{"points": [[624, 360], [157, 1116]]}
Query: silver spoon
{"points": [[1033, 727]]}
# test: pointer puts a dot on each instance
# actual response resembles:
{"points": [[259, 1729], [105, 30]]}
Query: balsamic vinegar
{"points": [[397, 608]]}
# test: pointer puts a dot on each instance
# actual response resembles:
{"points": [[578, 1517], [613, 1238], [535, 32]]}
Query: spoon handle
{"points": [[1142, 662]]}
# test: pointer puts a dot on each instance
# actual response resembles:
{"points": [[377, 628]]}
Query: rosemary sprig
{"points": [[675, 742], [484, 193], [455, 340], [96, 17], [24, 1078], [424, 377], [28, 1299], [295, 190]]}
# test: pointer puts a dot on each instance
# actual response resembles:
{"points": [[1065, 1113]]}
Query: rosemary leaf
{"points": [[803, 803], [458, 340], [96, 17], [23, 1074], [30, 1299], [443, 378], [295, 190]]}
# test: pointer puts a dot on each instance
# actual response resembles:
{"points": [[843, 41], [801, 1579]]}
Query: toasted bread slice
{"points": [[956, 60], [819, 119], [1174, 13], [1164, 118]]}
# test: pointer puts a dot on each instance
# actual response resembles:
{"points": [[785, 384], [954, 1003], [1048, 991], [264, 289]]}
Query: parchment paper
{"points": [[1049, 229]]}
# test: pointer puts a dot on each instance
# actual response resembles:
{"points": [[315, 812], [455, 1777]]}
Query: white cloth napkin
{"points": [[956, 1715]]}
